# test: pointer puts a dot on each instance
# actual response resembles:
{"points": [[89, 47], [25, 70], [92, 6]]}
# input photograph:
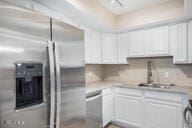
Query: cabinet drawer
{"points": [[127, 91], [164, 96]]}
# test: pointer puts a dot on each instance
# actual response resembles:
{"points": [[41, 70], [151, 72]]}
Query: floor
{"points": [[113, 126]]}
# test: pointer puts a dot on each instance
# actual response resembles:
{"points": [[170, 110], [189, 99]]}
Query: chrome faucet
{"points": [[149, 72]]}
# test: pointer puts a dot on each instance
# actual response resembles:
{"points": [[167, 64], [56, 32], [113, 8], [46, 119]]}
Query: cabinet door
{"points": [[162, 114], [123, 48], [107, 109], [137, 44], [109, 49], [178, 41], [96, 46], [158, 41], [128, 110], [190, 42], [188, 8], [87, 46]]}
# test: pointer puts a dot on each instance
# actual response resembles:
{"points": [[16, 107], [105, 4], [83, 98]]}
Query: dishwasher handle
{"points": [[93, 97]]}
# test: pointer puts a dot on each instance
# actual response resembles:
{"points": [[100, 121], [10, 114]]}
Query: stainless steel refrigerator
{"points": [[42, 82]]}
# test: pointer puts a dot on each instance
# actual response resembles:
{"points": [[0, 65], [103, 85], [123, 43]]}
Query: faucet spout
{"points": [[149, 72]]}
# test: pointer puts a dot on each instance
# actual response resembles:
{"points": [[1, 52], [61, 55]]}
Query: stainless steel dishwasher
{"points": [[94, 110]]}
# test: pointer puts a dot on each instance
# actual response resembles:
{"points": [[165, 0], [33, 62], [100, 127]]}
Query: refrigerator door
{"points": [[23, 39], [70, 88]]}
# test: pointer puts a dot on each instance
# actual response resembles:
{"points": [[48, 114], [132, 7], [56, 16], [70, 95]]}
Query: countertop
{"points": [[100, 85]]}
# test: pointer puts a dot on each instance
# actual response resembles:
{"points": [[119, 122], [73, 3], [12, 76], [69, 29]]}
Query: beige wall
{"points": [[94, 8], [156, 13], [103, 17], [135, 72], [165, 11]]}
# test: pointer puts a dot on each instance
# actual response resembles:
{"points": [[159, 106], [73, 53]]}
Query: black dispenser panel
{"points": [[29, 84]]}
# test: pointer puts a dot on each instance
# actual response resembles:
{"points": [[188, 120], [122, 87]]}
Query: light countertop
{"points": [[100, 85]]}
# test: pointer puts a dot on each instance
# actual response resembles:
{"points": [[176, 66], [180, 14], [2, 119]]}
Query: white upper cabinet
{"points": [[93, 47], [105, 48], [190, 42], [88, 46], [178, 41], [149, 42], [123, 43], [158, 41], [109, 49], [96, 51], [188, 8], [137, 44], [174, 40]]}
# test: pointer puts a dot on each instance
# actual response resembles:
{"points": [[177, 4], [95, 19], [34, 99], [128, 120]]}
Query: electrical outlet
{"points": [[166, 74]]}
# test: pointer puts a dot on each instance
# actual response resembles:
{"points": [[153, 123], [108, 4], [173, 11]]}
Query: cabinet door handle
{"points": [[187, 109]]}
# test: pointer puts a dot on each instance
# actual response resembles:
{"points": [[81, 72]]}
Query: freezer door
{"points": [[23, 38], [69, 52]]}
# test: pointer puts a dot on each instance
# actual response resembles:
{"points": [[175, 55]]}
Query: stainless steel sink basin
{"points": [[163, 86]]}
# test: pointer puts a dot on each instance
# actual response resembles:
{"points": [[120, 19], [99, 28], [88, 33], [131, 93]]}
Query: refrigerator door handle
{"points": [[52, 84], [58, 84]]}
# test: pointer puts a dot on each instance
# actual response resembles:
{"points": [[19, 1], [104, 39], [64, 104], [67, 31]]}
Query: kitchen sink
{"points": [[163, 86]]}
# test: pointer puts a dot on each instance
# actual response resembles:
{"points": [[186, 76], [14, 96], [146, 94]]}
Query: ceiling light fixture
{"points": [[118, 1], [112, 1]]}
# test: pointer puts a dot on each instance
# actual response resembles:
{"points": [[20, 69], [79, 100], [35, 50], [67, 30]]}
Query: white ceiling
{"points": [[130, 5]]}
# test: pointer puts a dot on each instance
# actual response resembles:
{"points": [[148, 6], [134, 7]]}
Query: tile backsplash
{"points": [[93, 73], [164, 71]]}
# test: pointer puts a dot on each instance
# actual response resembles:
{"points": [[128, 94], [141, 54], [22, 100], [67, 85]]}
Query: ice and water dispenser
{"points": [[29, 84]]}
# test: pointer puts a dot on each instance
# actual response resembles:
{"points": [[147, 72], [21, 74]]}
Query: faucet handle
{"points": [[150, 81]]}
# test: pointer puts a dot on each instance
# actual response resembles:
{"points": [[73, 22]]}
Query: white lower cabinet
{"points": [[162, 114], [137, 108], [128, 106], [128, 110], [107, 100], [107, 110]]}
